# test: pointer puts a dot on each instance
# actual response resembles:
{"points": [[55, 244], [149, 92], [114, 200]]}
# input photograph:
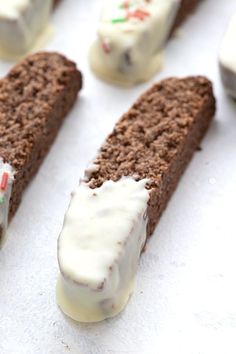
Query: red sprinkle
{"points": [[4, 181], [145, 13], [126, 4], [140, 14], [106, 47]]}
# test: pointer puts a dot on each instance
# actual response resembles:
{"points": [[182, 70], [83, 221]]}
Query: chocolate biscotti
{"points": [[35, 98], [56, 2], [186, 8], [132, 35], [123, 194]]}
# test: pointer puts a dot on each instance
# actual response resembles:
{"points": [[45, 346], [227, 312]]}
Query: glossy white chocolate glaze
{"points": [[5, 195], [13, 8], [228, 48], [227, 59], [21, 22], [131, 36], [99, 248]]}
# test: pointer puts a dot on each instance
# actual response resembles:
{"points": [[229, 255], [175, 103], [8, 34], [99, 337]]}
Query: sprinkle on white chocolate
{"points": [[6, 180], [99, 248], [131, 35]]}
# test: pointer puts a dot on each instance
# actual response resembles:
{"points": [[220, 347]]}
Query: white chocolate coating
{"points": [[12, 8], [227, 59], [228, 47], [21, 22], [99, 248], [90, 169], [129, 52], [5, 196]]}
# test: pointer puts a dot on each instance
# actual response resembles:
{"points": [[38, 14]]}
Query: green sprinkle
{"points": [[1, 200], [119, 20]]}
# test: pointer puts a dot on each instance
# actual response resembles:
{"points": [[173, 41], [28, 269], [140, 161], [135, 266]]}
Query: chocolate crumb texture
{"points": [[35, 97], [156, 139]]}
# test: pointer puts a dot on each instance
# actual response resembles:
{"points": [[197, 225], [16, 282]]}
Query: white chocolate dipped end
{"points": [[23, 26], [6, 181], [227, 58], [99, 248], [131, 36], [13, 8]]}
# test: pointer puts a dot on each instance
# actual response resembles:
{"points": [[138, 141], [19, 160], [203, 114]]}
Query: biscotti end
{"points": [[21, 24], [131, 38]]}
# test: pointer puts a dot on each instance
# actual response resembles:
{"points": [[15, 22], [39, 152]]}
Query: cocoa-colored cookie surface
{"points": [[157, 137], [35, 97]]}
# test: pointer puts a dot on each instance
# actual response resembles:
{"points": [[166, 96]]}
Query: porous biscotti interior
{"points": [[157, 137]]}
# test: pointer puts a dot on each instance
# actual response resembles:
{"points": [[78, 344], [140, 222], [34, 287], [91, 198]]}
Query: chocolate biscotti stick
{"points": [[56, 2], [35, 98], [227, 59], [131, 37], [185, 9], [118, 204]]}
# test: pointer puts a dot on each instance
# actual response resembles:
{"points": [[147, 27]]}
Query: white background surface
{"points": [[185, 297]]}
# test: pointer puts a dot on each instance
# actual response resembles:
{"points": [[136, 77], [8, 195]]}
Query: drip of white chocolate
{"points": [[6, 181], [99, 248], [131, 36], [91, 168], [21, 22]]}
